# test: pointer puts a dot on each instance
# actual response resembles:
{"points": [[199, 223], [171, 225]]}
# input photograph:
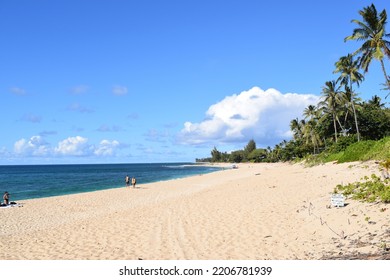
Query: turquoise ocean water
{"points": [[37, 181]]}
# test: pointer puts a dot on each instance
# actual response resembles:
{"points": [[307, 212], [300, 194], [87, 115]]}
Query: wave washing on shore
{"points": [[37, 181]]}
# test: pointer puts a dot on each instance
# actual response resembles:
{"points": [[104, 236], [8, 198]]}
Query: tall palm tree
{"points": [[349, 74], [371, 30], [331, 102]]}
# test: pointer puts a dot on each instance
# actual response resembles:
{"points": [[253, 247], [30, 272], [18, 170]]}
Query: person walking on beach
{"points": [[6, 198], [133, 182], [127, 180]]}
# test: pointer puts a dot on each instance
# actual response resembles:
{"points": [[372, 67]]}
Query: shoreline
{"points": [[258, 211], [25, 184]]}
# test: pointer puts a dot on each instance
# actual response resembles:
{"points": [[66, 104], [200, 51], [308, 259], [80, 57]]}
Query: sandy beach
{"points": [[258, 211]]}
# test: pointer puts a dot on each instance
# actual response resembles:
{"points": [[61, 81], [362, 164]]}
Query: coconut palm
{"points": [[311, 135], [310, 112], [345, 100], [376, 101], [349, 71], [349, 74], [296, 127], [276, 152], [371, 30], [331, 102]]}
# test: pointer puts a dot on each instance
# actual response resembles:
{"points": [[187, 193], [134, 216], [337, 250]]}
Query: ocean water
{"points": [[37, 181]]}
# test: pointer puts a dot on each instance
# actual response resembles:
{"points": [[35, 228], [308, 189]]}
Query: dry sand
{"points": [[258, 211]]}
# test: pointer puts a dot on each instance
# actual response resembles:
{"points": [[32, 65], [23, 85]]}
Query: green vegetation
{"points": [[249, 154], [370, 190], [358, 151]]}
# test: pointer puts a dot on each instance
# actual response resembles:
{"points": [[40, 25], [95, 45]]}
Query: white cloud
{"points": [[76, 146], [79, 89], [119, 90], [35, 146], [156, 136], [31, 118], [106, 148], [18, 91], [73, 146], [48, 133], [77, 107], [133, 116], [262, 115], [107, 128]]}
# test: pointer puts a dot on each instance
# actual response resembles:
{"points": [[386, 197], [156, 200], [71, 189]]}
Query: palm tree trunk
{"points": [[354, 112], [338, 121], [386, 77], [346, 118], [384, 72], [335, 127], [356, 123]]}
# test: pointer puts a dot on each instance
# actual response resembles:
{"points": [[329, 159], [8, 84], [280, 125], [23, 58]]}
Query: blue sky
{"points": [[116, 81]]}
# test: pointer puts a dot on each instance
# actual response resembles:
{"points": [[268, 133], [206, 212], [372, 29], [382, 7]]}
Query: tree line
{"points": [[249, 153], [341, 117]]}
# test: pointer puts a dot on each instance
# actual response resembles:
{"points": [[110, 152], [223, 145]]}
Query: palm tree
{"points": [[345, 100], [310, 112], [296, 127], [376, 101], [310, 133], [276, 152], [331, 102], [373, 34], [349, 74]]}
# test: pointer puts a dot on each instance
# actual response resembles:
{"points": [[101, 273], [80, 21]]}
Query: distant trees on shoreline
{"points": [[249, 153]]}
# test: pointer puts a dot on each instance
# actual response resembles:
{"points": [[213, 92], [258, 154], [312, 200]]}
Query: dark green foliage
{"points": [[250, 147], [257, 155], [237, 156], [374, 121], [342, 144], [216, 155]]}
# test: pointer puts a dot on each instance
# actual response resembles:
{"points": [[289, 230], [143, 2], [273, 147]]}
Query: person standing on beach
{"points": [[6, 198], [127, 180], [133, 182]]}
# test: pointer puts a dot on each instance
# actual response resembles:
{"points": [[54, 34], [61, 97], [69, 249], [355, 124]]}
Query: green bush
{"points": [[333, 157], [380, 150], [342, 144], [370, 190], [357, 151]]}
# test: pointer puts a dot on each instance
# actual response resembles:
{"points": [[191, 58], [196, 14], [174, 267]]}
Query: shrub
{"points": [[370, 190], [357, 151], [342, 144]]}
